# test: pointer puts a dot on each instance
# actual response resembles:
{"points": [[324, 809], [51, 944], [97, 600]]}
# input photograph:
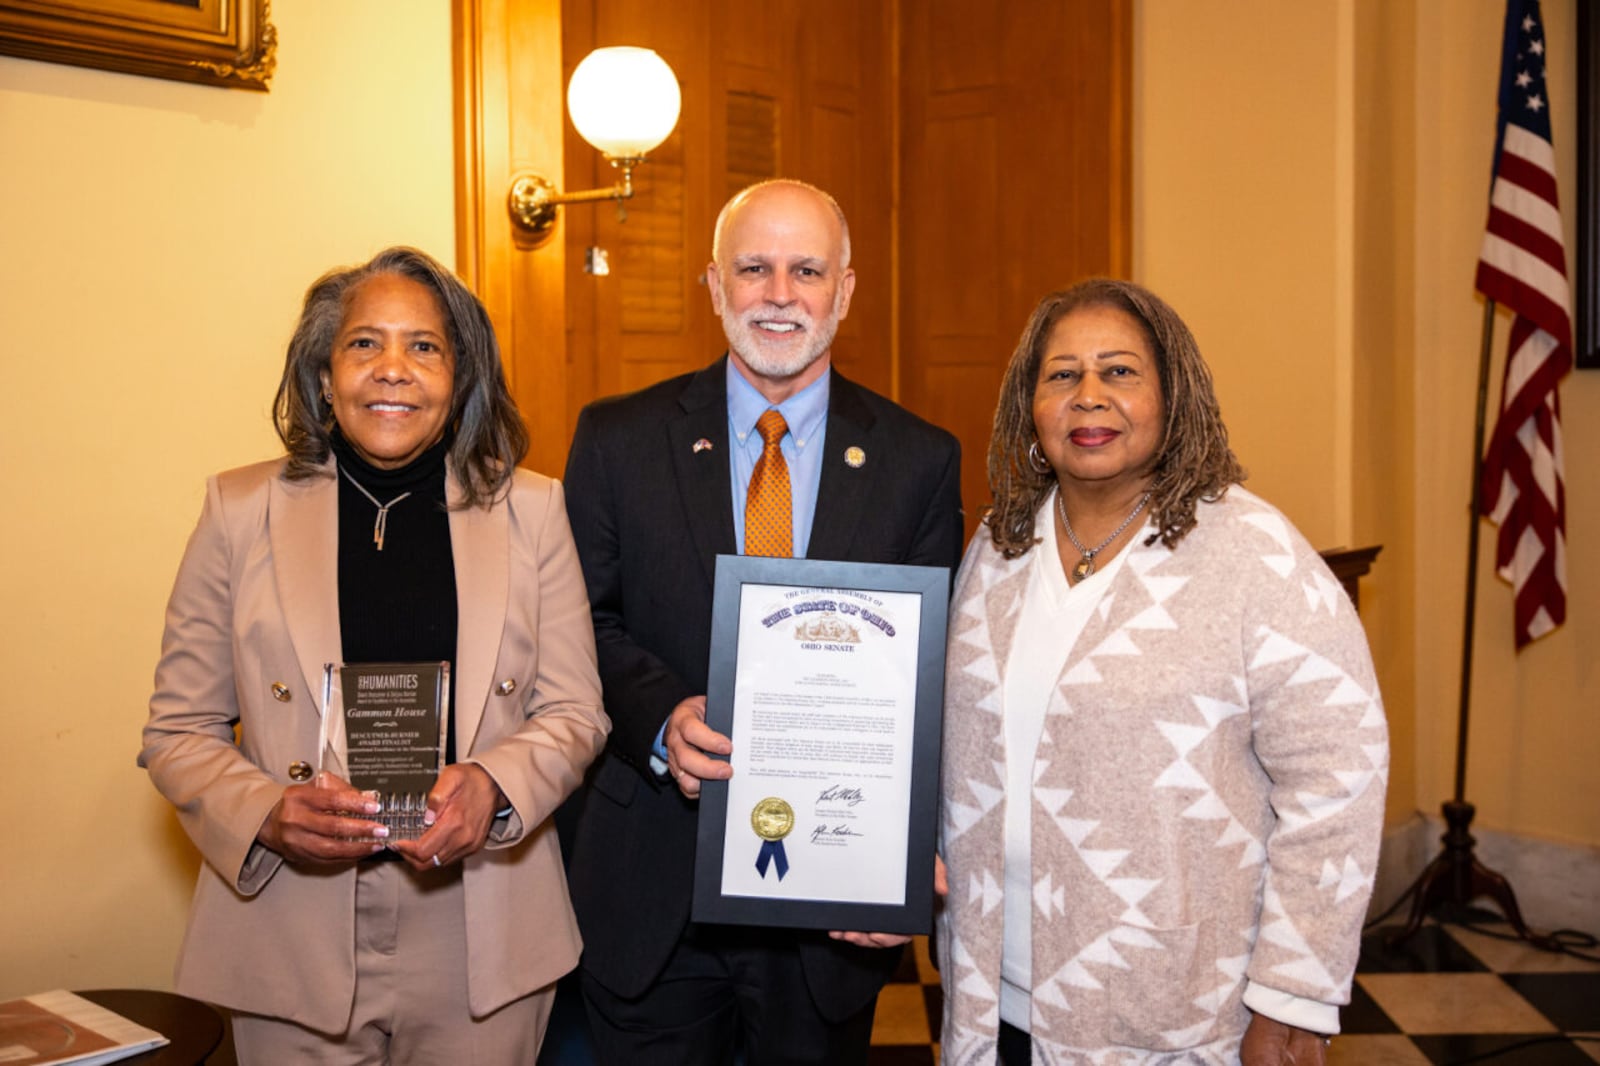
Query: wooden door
{"points": [[508, 114], [782, 88], [979, 149], [1014, 182]]}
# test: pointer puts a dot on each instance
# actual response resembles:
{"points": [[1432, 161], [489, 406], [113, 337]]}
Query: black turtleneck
{"points": [[398, 604]]}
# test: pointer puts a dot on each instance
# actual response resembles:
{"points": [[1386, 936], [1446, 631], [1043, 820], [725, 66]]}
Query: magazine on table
{"points": [[59, 1027]]}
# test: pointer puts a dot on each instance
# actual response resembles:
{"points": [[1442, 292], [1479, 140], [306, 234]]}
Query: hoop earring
{"points": [[1037, 461]]}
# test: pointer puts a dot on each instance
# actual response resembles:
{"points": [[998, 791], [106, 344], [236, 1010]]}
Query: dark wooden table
{"points": [[1349, 565], [194, 1028]]}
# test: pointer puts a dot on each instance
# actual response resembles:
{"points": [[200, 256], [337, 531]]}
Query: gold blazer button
{"points": [[507, 687], [300, 771], [280, 692]]}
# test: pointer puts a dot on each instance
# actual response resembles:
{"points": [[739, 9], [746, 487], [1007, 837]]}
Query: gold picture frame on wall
{"points": [[230, 43]]}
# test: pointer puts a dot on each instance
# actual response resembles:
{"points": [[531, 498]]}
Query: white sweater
{"points": [[1206, 805], [1053, 613]]}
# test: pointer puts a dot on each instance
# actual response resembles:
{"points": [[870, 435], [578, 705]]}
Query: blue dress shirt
{"points": [[806, 413]]}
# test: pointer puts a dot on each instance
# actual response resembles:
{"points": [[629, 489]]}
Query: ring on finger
{"points": [[436, 861]]}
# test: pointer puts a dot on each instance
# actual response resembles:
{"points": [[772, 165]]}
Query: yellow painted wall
{"points": [[1382, 415], [1535, 737], [1311, 186], [155, 241], [1264, 172], [1237, 182]]}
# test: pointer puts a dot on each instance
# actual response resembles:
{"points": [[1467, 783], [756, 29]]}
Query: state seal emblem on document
{"points": [[827, 627], [772, 819]]}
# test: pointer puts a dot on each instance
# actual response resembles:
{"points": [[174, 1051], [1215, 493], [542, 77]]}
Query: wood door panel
{"points": [[649, 269], [766, 93], [639, 374], [679, 28], [955, 350], [635, 324], [661, 348], [841, 143], [954, 269], [838, 44], [970, 101], [751, 122], [979, 150], [961, 399], [753, 35], [1014, 176], [965, 35], [839, 171], [508, 119]]}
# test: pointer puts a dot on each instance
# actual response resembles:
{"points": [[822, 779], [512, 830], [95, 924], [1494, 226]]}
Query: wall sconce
{"points": [[625, 102]]}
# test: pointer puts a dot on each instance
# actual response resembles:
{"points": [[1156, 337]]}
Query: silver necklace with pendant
{"points": [[1085, 566], [380, 525]]}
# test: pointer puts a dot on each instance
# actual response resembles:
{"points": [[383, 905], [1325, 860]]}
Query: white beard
{"points": [[755, 346]]}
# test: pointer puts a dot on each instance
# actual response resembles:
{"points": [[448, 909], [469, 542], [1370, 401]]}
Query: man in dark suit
{"points": [[659, 483]]}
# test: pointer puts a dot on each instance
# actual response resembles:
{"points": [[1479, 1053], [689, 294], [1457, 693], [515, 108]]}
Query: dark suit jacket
{"points": [[650, 514]]}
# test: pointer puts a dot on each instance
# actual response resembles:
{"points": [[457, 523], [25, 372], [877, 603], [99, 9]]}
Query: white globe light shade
{"points": [[624, 101]]}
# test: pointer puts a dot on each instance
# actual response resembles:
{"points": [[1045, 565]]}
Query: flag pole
{"points": [[1455, 877], [1474, 521]]}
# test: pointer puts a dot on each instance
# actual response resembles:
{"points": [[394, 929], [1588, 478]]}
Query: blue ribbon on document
{"points": [[772, 819], [772, 852]]}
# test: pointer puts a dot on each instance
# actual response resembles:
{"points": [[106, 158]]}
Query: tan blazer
{"points": [[254, 607]]}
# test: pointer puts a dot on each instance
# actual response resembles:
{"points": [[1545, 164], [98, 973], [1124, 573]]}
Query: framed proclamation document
{"points": [[828, 678]]}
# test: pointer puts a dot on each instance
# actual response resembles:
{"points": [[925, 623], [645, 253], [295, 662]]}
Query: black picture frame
{"points": [[915, 915], [1586, 338]]}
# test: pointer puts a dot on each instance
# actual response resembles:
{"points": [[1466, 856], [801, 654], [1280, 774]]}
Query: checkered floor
{"points": [[905, 1029], [1448, 995]]}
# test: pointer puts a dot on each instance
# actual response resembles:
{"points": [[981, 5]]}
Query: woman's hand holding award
{"points": [[384, 732]]}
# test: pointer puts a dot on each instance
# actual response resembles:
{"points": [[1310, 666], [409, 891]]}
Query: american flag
{"points": [[1523, 267]]}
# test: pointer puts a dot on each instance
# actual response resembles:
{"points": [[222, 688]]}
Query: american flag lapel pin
{"points": [[702, 445]]}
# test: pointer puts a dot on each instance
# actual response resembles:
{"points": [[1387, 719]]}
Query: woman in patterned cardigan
{"points": [[1165, 751]]}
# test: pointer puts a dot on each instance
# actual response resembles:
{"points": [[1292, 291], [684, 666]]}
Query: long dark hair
{"points": [[1194, 461], [490, 439]]}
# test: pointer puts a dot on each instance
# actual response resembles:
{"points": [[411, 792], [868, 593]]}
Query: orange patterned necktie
{"points": [[768, 513]]}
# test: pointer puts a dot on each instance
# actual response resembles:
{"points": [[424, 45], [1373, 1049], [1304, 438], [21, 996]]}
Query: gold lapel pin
{"points": [[702, 445], [854, 457]]}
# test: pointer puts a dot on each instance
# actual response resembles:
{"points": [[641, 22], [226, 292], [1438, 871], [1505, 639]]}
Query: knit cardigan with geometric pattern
{"points": [[1207, 799]]}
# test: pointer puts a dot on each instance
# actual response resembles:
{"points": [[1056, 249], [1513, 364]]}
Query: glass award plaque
{"points": [[385, 724]]}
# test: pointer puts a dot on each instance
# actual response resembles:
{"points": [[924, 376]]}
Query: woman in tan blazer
{"points": [[397, 529]]}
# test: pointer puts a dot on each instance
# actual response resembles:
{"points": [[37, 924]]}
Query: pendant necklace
{"points": [[381, 524], [1085, 566]]}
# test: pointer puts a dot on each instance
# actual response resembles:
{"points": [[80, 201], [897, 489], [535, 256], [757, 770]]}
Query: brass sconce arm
{"points": [[533, 200]]}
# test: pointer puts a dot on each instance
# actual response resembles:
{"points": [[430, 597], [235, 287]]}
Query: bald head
{"points": [[783, 188], [780, 281]]}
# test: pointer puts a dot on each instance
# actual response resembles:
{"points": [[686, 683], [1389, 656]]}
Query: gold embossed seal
{"points": [[772, 819]]}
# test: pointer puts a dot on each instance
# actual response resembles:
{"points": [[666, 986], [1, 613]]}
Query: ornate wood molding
{"points": [[228, 43], [508, 118]]}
